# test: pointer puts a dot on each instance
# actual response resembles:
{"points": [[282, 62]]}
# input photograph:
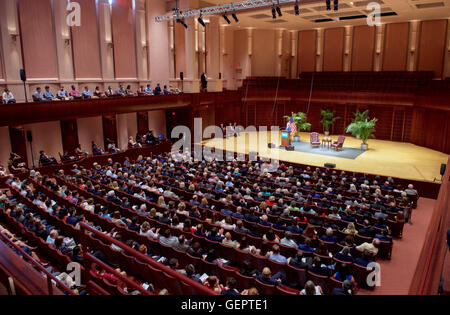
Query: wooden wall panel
{"points": [[180, 49], [306, 55], [69, 134], [124, 40], [396, 46], [363, 48], [142, 122], [432, 44], [333, 49], [37, 38], [86, 54]]}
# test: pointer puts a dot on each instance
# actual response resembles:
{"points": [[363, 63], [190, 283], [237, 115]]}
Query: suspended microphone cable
{"points": [[310, 94]]}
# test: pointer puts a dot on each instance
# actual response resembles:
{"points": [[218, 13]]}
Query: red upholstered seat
{"points": [[339, 144], [314, 139]]}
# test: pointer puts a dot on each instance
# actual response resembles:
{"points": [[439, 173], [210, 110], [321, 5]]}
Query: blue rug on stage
{"points": [[346, 153]]}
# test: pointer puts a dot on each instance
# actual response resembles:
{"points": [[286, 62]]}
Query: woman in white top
{"points": [[311, 289]]}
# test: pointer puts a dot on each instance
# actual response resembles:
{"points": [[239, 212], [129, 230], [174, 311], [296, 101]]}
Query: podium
{"points": [[285, 138]]}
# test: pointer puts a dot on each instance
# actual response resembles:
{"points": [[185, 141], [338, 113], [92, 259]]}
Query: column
{"points": [[191, 83], [413, 45], [214, 56], [106, 40], [63, 41], [12, 50], [319, 49], [141, 42], [294, 51], [348, 48], [379, 47]]}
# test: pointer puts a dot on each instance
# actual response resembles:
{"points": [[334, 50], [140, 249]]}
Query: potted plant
{"points": [[360, 116], [300, 120], [328, 120], [364, 129]]}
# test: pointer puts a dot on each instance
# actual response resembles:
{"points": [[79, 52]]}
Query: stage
{"points": [[396, 159]]}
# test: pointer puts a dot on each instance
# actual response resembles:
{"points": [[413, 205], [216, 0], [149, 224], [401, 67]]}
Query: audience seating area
{"points": [[207, 203]]}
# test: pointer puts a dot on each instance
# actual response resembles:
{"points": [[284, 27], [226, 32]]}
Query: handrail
{"points": [[39, 266], [428, 271], [201, 288], [115, 273]]}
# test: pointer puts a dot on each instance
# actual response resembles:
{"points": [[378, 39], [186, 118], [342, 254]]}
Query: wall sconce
{"points": [[67, 42], [110, 45], [14, 36]]}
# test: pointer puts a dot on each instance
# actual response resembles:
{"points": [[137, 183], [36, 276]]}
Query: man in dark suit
{"points": [[347, 289]]}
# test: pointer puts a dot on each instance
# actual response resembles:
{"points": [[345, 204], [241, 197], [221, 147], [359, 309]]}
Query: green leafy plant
{"points": [[361, 116], [300, 120], [328, 119], [363, 129]]}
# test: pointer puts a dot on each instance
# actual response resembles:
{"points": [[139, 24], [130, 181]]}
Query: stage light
{"points": [[296, 8], [328, 5], [226, 18], [274, 13], [279, 11], [336, 5], [235, 17], [200, 20]]}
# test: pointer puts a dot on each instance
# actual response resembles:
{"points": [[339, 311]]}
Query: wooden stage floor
{"points": [[396, 159]]}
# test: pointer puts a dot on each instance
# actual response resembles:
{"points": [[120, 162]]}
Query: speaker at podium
{"points": [[285, 138]]}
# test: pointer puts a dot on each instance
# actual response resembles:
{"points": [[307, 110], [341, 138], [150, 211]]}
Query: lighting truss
{"points": [[220, 9]]}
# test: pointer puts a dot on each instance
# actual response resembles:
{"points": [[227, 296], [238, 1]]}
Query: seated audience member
{"points": [[68, 158], [230, 288], [8, 97], [128, 91], [112, 147], [166, 91], [80, 152], [371, 247], [366, 259], [98, 93], [121, 91], [74, 92], [347, 289], [141, 91], [37, 96], [174, 90], [148, 90], [276, 256], [384, 236], [96, 149], [311, 289], [157, 90], [48, 95], [299, 261], [329, 237], [110, 92], [14, 166], [267, 277], [343, 273], [62, 94], [344, 255], [44, 159], [86, 93], [133, 144]]}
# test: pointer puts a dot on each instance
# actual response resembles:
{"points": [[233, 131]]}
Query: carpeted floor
{"points": [[346, 153], [397, 273]]}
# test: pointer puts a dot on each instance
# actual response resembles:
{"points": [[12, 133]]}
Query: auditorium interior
{"points": [[225, 147]]}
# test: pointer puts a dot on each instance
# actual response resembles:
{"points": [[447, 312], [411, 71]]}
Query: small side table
{"points": [[327, 142]]}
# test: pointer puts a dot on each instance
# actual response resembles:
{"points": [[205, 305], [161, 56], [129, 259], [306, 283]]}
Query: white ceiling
{"points": [[311, 10]]}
